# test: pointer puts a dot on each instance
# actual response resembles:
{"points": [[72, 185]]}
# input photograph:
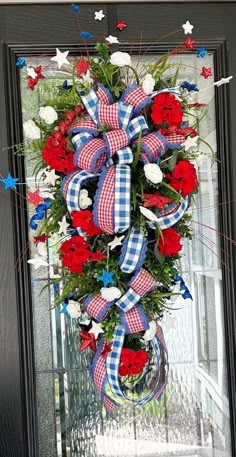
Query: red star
{"points": [[106, 349], [88, 341], [41, 238], [34, 198], [121, 25], [82, 66], [189, 43], [97, 256], [206, 72], [32, 82], [156, 199], [38, 70]]}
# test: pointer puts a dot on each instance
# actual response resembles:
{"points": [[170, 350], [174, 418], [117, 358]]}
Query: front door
{"points": [[49, 407]]}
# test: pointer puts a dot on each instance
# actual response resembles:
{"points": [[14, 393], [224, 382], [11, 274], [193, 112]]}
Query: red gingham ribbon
{"points": [[85, 159], [83, 124], [106, 202], [175, 138], [136, 97], [134, 320], [115, 140], [142, 282], [108, 115]]}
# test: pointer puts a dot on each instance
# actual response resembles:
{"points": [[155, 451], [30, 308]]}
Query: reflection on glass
{"points": [[192, 417]]}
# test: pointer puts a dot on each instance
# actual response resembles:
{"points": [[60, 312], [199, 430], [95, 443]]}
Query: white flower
{"points": [[148, 214], [110, 293], [48, 114], [112, 39], [42, 250], [84, 200], [120, 59], [73, 309], [151, 331], [31, 130], [153, 172], [148, 84]]}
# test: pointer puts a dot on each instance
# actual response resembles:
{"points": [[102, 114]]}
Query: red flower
{"points": [[183, 178], [82, 66], [166, 109], [169, 242], [156, 199], [206, 72], [121, 25], [57, 155], [75, 253], [189, 43], [132, 362], [97, 256], [84, 220]]}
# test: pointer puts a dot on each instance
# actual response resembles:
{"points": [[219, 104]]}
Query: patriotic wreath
{"points": [[118, 143]]}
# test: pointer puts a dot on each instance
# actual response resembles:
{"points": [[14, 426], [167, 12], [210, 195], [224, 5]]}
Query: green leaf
{"points": [[161, 258]]}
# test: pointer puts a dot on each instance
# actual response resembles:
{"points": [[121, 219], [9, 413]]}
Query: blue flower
{"points": [[21, 63], [201, 52], [190, 87], [75, 8], [86, 35], [106, 277]]}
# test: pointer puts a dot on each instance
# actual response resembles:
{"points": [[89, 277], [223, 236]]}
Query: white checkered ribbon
{"points": [[113, 362], [170, 215], [71, 187], [133, 252], [111, 210]]}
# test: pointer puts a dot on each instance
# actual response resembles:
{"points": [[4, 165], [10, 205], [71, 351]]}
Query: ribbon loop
{"points": [[171, 215], [71, 186], [133, 252], [136, 97]]}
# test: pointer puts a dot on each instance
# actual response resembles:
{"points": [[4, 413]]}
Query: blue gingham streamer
{"points": [[113, 361], [90, 102], [73, 190], [80, 138], [122, 198], [128, 300], [171, 219], [123, 156], [135, 126], [133, 252], [173, 90]]}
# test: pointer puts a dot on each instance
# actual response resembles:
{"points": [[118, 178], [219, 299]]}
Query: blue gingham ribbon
{"points": [[71, 186], [171, 219], [133, 252], [122, 198]]}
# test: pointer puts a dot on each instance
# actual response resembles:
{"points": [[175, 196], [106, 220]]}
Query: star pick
{"points": [[82, 66], [201, 52], [34, 198], [38, 262], [21, 63], [64, 309], [99, 15], [116, 242], [75, 8], [206, 72], [190, 87], [121, 25], [61, 58], [112, 39], [41, 238], [96, 330], [222, 81], [88, 341], [106, 278], [189, 43], [31, 72], [51, 177], [86, 35], [107, 348], [190, 142], [187, 27], [63, 226], [9, 182]]}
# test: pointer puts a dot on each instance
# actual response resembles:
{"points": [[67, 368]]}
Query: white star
{"points": [[47, 195], [31, 72], [63, 226], [96, 329], [51, 177], [187, 27], [112, 39], [99, 15], [38, 262], [87, 78], [222, 81], [190, 142], [116, 242], [61, 58]]}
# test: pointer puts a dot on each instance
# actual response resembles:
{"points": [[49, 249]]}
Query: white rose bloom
{"points": [[73, 309], [84, 200], [120, 59], [148, 84], [151, 331], [48, 114], [153, 172], [110, 293], [31, 130], [148, 214]]}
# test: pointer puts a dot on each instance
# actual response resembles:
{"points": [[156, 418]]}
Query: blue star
{"points": [[21, 63], [201, 52], [9, 182], [190, 87], [64, 309], [65, 85], [106, 278], [86, 35], [75, 8]]}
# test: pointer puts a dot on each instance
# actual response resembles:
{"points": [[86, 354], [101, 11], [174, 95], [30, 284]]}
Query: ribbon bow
{"points": [[39, 213]]}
